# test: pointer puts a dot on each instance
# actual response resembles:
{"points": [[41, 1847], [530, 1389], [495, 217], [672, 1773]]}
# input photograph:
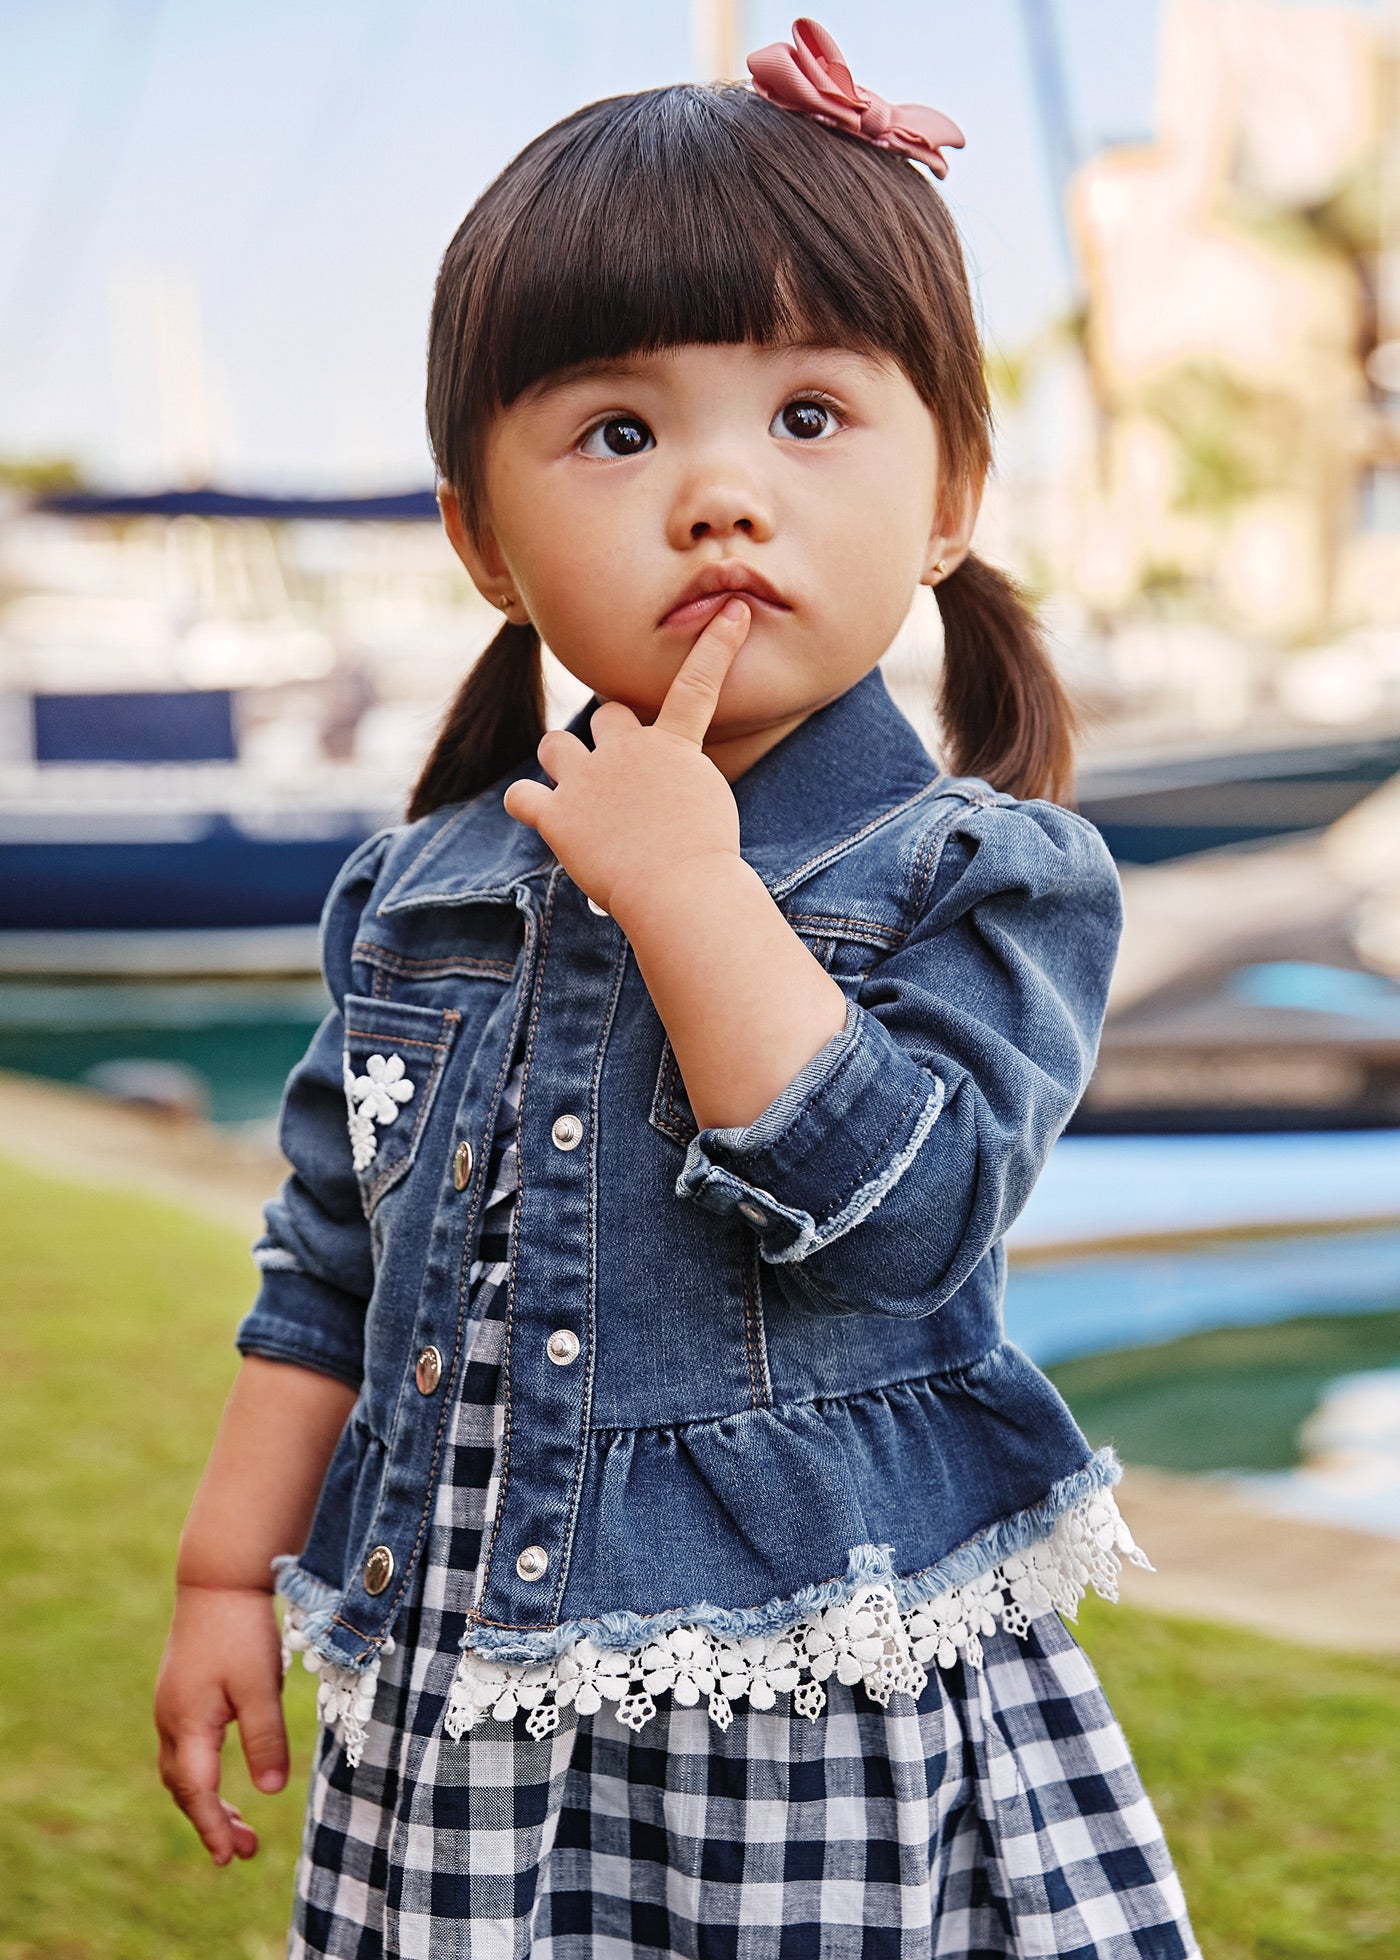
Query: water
{"points": [[1350, 1474], [241, 1037], [1101, 1187], [238, 1039], [1094, 1305]]}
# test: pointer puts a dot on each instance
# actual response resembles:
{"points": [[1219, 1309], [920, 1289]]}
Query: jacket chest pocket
{"points": [[847, 949], [394, 1059]]}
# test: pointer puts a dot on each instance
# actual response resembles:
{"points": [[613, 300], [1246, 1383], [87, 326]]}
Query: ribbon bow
{"points": [[812, 78]]}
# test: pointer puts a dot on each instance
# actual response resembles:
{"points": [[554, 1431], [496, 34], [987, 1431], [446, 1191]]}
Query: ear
{"points": [[479, 551], [951, 540]]}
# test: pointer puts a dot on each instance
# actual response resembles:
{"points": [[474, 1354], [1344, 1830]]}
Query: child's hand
{"points": [[628, 812], [222, 1663]]}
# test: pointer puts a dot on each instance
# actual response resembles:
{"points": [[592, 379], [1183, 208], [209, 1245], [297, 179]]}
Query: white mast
{"points": [[717, 39]]}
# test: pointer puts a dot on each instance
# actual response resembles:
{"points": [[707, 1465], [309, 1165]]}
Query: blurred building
{"points": [[1219, 442]]}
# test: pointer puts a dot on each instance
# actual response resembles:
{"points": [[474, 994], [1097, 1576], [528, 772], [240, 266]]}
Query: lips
{"points": [[713, 585]]}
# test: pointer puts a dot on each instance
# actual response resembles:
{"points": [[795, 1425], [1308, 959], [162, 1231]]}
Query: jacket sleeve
{"points": [[315, 1259], [901, 1153]]}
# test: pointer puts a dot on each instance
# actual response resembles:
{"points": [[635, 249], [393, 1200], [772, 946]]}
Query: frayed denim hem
{"points": [[867, 1565]]}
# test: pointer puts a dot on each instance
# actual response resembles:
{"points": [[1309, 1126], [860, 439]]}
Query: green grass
{"points": [[115, 1361], [1230, 1399], [1275, 1770]]}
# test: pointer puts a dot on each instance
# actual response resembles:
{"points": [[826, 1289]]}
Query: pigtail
{"points": [[494, 724], [1005, 715]]}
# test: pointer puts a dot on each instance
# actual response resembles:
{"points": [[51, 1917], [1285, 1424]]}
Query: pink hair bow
{"points": [[812, 78]]}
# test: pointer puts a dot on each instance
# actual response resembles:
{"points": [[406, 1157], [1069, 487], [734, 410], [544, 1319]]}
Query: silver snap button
{"points": [[562, 1347], [428, 1372], [567, 1132], [533, 1562], [379, 1569], [462, 1166], [601, 910], [753, 1213]]}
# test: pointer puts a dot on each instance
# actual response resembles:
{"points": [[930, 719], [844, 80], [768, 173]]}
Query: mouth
{"points": [[708, 591]]}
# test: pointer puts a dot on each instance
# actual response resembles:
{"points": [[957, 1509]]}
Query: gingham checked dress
{"points": [[1000, 1813]]}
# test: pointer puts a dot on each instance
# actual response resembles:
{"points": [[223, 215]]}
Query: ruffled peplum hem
{"points": [[873, 1625]]}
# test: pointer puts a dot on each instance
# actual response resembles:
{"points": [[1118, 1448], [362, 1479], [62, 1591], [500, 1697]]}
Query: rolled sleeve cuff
{"points": [[301, 1319], [826, 1150]]}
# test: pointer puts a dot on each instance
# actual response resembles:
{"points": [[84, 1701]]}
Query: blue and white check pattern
{"points": [[1000, 1814]]}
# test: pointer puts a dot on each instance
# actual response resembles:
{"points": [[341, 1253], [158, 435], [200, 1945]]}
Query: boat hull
{"points": [[1150, 812]]}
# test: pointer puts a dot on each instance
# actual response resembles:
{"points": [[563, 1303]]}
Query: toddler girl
{"points": [[626, 1415]]}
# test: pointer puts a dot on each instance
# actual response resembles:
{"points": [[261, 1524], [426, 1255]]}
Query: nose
{"points": [[719, 502]]}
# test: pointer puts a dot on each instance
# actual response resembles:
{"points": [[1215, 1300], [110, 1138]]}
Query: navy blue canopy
{"points": [[188, 725], [409, 506]]}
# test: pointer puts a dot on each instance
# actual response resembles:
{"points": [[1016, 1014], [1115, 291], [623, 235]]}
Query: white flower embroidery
{"points": [[374, 1097]]}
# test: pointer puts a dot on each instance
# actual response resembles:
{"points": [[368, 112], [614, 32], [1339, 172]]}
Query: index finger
{"points": [[692, 696]]}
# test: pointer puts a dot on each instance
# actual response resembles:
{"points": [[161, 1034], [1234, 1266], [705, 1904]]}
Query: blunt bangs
{"points": [[697, 215]]}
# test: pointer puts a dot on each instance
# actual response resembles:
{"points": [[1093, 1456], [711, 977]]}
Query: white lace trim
{"points": [[868, 1638], [344, 1699]]}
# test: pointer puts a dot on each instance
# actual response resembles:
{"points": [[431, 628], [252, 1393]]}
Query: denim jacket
{"points": [[747, 1371]]}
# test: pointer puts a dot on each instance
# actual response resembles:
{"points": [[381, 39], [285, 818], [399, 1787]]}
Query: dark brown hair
{"points": [[705, 214]]}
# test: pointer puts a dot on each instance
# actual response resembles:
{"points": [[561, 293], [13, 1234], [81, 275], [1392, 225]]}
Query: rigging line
{"points": [[70, 205], [368, 60], [1046, 57]]}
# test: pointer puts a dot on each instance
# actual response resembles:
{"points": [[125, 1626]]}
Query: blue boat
{"points": [[156, 830], [1155, 809]]}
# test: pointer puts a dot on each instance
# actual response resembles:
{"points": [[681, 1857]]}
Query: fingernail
{"points": [[735, 609]]}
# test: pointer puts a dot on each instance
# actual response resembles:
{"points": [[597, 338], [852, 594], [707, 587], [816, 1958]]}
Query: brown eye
{"points": [[804, 421], [620, 435]]}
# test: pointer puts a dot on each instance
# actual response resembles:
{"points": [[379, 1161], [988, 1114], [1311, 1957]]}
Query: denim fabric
{"points": [[791, 1365]]}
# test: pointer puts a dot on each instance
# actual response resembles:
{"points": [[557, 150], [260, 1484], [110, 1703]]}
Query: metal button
{"points": [[379, 1569], [428, 1373], [754, 1214], [567, 1132], [462, 1165], [562, 1347], [533, 1562]]}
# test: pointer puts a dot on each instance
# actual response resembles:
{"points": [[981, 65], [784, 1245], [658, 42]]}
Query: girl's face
{"points": [[624, 501]]}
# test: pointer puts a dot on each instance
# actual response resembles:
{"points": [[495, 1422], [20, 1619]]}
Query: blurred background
{"points": [[228, 625]]}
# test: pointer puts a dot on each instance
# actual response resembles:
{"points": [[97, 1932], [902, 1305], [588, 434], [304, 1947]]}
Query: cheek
{"points": [[577, 597], [873, 558], [574, 571]]}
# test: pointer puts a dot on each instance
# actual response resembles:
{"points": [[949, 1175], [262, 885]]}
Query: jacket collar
{"points": [[834, 776]]}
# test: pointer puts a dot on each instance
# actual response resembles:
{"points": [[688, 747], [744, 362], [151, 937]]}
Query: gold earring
{"points": [[506, 601], [940, 568]]}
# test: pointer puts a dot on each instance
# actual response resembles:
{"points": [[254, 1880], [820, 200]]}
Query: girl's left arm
{"points": [[900, 1155]]}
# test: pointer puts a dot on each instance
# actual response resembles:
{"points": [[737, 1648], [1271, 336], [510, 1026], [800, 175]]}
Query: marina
{"points": [[229, 628]]}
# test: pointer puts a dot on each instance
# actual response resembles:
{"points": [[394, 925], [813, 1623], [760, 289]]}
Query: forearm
{"points": [[743, 1001], [264, 1473]]}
